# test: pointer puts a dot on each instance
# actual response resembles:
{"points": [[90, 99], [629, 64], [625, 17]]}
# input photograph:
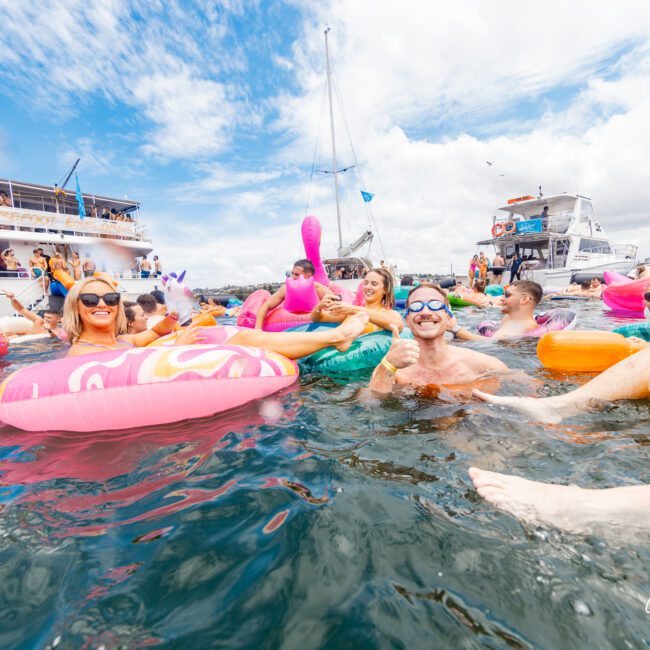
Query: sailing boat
{"points": [[345, 269]]}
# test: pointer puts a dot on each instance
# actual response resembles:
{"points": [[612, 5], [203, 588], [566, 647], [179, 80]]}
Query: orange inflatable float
{"points": [[585, 351], [64, 278]]}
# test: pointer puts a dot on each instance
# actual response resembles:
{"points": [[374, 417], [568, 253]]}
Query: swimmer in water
{"points": [[50, 323], [379, 299], [646, 311], [301, 268], [94, 319], [427, 358], [518, 307], [565, 506], [628, 379]]}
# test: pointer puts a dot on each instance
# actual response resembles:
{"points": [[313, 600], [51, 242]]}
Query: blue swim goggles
{"points": [[433, 305]]}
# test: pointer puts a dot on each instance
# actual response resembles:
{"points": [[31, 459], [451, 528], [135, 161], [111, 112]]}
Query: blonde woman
{"points": [[95, 321], [379, 299]]}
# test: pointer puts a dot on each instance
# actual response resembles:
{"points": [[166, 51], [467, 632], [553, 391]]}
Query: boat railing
{"points": [[556, 222], [626, 251], [33, 293]]}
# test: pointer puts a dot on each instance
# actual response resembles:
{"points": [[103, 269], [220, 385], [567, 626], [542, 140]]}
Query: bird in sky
{"points": [[489, 163]]}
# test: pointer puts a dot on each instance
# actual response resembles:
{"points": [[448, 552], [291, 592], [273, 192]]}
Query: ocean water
{"points": [[321, 518]]}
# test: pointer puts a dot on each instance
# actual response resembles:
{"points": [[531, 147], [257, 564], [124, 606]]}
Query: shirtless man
{"points": [[498, 266], [11, 263], [519, 302], [588, 289], [628, 379], [145, 267], [157, 266], [49, 324], [88, 265], [427, 359], [38, 266], [302, 268]]}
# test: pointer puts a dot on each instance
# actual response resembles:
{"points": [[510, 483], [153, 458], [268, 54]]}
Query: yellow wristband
{"points": [[388, 365]]}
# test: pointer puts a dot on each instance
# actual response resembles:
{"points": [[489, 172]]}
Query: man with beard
{"points": [[427, 358], [518, 307]]}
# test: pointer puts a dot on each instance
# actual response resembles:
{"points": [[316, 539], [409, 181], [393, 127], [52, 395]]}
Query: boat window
{"points": [[587, 211], [594, 246], [561, 247]]}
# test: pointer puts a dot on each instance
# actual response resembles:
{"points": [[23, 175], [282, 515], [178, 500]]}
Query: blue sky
{"points": [[207, 113]]}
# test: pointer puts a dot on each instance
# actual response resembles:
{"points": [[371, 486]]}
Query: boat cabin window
{"points": [[594, 246], [586, 212]]}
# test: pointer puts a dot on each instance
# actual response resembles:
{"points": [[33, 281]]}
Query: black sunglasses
{"points": [[92, 299]]}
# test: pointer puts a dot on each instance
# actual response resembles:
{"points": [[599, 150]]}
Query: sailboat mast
{"points": [[335, 172]]}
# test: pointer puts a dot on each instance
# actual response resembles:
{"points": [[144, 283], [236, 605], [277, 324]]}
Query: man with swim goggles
{"points": [[427, 359]]}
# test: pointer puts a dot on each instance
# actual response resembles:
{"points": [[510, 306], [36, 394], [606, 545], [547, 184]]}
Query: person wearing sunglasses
{"points": [[378, 302], [427, 358], [518, 308], [95, 321]]}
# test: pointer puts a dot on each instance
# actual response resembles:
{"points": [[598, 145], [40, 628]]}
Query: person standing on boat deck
{"points": [[5, 200], [544, 217], [157, 267], [57, 263], [106, 213], [515, 267], [88, 265], [38, 265], [498, 264], [427, 358], [471, 274], [11, 263], [145, 267], [75, 263], [483, 266]]}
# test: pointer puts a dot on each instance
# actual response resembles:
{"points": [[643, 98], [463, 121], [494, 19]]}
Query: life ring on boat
{"points": [[509, 228], [150, 385], [585, 351], [497, 230]]}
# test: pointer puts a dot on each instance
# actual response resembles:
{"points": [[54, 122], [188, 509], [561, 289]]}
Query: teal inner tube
{"points": [[365, 353], [494, 290], [641, 330]]}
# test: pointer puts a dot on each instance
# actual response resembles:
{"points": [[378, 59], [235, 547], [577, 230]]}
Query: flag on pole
{"points": [[80, 199], [367, 196]]}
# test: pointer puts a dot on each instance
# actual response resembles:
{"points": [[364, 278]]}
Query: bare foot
{"points": [[565, 506], [348, 330], [546, 409]]}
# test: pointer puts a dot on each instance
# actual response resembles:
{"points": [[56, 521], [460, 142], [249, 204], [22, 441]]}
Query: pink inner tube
{"points": [[627, 297], [552, 320], [122, 389], [4, 344], [611, 277], [277, 320]]}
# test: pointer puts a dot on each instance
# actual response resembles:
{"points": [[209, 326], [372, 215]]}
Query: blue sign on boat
{"points": [[532, 225]]}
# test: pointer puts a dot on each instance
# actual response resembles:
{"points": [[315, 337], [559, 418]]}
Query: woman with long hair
{"points": [[379, 300]]}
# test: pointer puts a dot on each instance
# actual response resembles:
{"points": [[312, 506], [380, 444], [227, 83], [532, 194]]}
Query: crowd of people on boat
{"points": [[95, 319]]}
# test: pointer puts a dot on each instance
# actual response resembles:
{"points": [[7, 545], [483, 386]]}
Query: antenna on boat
{"points": [[335, 172], [540, 192]]}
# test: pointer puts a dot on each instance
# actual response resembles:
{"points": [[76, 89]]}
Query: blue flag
{"points": [[367, 196], [80, 199]]}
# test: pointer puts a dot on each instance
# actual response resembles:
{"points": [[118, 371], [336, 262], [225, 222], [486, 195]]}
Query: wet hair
{"points": [[72, 320], [428, 285], [407, 281], [159, 296], [306, 266], [129, 311], [53, 312], [646, 296], [585, 284], [479, 286], [388, 300], [147, 302], [530, 288], [595, 278]]}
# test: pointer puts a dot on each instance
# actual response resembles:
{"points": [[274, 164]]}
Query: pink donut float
{"points": [[611, 277], [121, 389], [627, 296], [552, 320]]}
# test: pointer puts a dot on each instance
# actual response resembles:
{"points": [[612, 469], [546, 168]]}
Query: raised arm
{"points": [[270, 303], [18, 306]]}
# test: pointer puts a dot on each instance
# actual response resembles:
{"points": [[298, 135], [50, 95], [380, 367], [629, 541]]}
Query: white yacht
{"points": [[558, 236], [41, 216]]}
